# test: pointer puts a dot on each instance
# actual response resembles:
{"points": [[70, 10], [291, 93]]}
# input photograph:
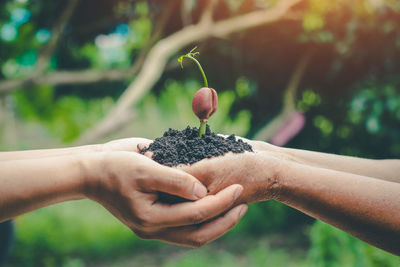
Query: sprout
{"points": [[205, 101]]}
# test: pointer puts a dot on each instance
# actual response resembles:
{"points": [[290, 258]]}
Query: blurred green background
{"points": [[65, 64]]}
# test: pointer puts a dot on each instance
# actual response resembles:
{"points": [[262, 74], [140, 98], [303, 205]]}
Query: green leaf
{"points": [[313, 22]]}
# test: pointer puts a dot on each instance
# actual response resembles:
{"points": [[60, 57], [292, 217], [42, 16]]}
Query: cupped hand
{"points": [[128, 184], [256, 171]]}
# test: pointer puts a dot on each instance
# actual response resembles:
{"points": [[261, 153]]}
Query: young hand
{"points": [[127, 184], [126, 144]]}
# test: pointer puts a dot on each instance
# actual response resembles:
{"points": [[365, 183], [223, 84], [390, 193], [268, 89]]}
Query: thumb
{"points": [[175, 182]]}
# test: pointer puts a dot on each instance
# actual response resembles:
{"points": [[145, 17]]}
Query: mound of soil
{"points": [[186, 147]]}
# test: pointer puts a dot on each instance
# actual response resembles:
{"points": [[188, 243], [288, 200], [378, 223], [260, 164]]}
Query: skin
{"points": [[359, 196], [126, 183]]}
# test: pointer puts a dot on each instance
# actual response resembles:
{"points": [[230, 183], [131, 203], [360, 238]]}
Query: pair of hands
{"points": [[127, 184], [336, 189]]}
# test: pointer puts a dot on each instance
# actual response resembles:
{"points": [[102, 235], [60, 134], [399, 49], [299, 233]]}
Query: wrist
{"points": [[92, 169], [273, 169]]}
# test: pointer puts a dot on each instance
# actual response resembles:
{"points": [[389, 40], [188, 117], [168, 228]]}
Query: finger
{"points": [[172, 181], [149, 154], [188, 213], [197, 236], [127, 144], [144, 141], [143, 146]]}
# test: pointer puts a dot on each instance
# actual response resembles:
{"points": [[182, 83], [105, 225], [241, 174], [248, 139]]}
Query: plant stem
{"points": [[202, 129], [201, 69]]}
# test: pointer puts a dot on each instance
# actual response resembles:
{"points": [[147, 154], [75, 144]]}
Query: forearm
{"points": [[45, 153], [381, 169], [27, 185], [365, 207]]}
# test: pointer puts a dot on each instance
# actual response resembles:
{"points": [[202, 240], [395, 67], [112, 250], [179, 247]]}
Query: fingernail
{"points": [[199, 190], [142, 146], [149, 154], [238, 191], [243, 211]]}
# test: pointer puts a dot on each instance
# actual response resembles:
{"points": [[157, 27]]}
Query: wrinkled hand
{"points": [[256, 171], [127, 184]]}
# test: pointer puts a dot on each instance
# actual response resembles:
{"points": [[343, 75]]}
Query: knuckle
{"points": [[143, 219], [142, 222], [198, 216], [142, 171], [142, 183]]}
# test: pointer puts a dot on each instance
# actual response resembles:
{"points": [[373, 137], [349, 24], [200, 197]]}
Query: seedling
{"points": [[184, 147], [205, 101]]}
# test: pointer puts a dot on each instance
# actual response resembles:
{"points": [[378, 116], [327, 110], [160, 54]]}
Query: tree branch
{"points": [[90, 76], [66, 77], [254, 19], [77, 77], [207, 16], [164, 49], [273, 126]]}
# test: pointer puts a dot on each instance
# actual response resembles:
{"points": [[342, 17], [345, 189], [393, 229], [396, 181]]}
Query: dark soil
{"points": [[186, 147]]}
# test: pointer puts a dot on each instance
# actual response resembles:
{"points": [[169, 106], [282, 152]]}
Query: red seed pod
{"points": [[205, 103]]}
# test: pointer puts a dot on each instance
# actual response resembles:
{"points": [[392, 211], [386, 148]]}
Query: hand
{"points": [[256, 171], [127, 184], [257, 145], [270, 150], [126, 144]]}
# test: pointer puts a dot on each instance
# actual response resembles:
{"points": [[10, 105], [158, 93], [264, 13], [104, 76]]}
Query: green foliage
{"points": [[373, 113], [312, 22], [65, 117], [361, 122], [308, 99], [255, 255], [323, 124], [374, 105], [243, 87], [263, 255], [70, 231], [44, 236], [114, 49], [333, 247], [264, 217]]}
